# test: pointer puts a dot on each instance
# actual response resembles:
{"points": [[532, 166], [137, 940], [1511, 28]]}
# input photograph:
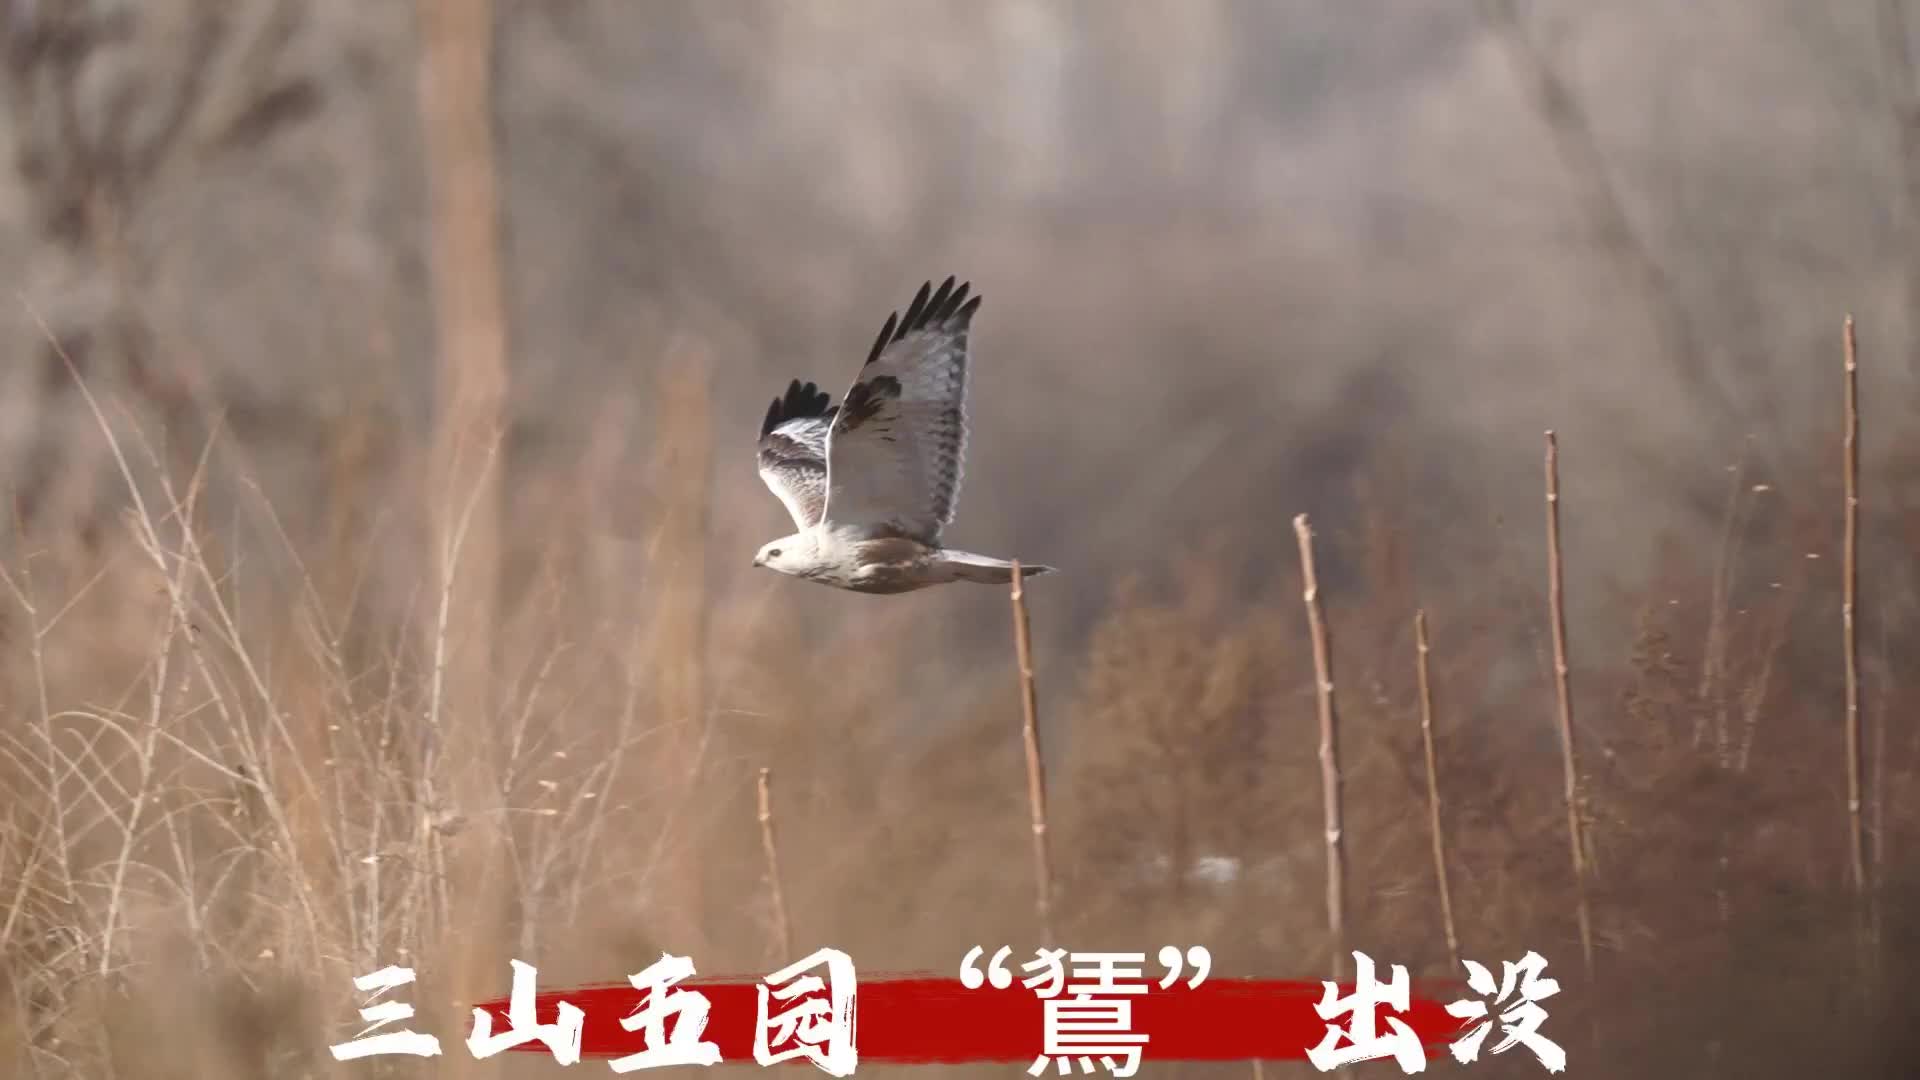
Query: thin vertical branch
{"points": [[1713, 697], [1036, 769], [1556, 600], [1433, 791], [1329, 748], [1777, 632], [1877, 805], [1850, 576], [783, 929]]}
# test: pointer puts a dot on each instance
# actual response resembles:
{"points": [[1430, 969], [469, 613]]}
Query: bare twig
{"points": [[1036, 770], [1713, 695], [1877, 808], [1777, 634], [1433, 791], [1556, 600], [1329, 748], [1850, 576], [783, 929]]}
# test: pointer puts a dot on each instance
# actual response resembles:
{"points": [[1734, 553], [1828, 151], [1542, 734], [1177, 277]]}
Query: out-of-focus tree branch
{"points": [[102, 107], [1586, 166], [456, 116], [1903, 99], [90, 155]]}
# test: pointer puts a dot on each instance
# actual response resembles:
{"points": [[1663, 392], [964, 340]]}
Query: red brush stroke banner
{"points": [[917, 1019]]}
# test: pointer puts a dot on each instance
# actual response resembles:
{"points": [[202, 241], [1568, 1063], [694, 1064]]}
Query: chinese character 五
{"points": [[684, 1046]]}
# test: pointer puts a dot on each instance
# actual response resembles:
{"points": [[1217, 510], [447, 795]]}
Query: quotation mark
{"points": [[998, 975]]}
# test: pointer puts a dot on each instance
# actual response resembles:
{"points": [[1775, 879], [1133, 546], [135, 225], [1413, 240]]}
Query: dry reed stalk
{"points": [[1329, 748], [1850, 579], [1556, 600], [1036, 770], [1866, 903], [1433, 791], [783, 929]]}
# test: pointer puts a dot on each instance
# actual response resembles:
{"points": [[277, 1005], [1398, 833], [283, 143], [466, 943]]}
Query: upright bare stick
{"points": [[782, 928], [1329, 748], [1433, 790], [1557, 604], [1036, 770], [1849, 584]]}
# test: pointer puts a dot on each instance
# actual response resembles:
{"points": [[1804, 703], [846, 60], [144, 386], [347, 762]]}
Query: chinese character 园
{"points": [[1520, 1021], [820, 1029], [1363, 1041]]}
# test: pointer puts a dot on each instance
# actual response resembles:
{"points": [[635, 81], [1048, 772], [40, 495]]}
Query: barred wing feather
{"points": [[793, 451], [897, 445]]}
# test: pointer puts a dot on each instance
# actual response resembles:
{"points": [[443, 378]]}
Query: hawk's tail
{"points": [[984, 570]]}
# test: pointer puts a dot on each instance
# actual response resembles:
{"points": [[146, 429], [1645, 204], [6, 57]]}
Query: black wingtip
{"points": [[945, 306], [801, 401]]}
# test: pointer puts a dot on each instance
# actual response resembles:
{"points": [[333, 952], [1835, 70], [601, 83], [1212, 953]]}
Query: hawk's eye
{"points": [[774, 554]]}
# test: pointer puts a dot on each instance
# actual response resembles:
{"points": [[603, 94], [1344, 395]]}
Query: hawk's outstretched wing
{"points": [[793, 451], [895, 451]]}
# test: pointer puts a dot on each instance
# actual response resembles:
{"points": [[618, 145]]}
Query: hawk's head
{"points": [[796, 555]]}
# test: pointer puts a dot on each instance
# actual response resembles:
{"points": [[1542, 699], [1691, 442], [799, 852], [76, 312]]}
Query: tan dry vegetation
{"points": [[217, 820]]}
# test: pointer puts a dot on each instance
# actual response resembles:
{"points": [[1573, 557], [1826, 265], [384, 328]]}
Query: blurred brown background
{"points": [[381, 388]]}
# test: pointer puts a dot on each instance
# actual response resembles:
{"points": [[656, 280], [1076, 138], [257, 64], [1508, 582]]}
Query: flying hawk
{"points": [[872, 481]]}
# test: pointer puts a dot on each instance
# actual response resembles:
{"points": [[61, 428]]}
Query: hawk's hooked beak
{"points": [[756, 560]]}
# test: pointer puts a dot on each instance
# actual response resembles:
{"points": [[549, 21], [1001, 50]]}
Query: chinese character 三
{"points": [[404, 1041]]}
